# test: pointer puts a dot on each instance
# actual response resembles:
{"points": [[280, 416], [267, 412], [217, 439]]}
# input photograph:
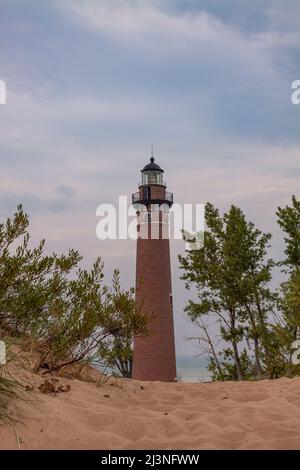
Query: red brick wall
{"points": [[157, 191], [154, 355]]}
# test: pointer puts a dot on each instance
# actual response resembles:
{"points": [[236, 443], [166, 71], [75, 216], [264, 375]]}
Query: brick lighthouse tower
{"points": [[154, 354]]}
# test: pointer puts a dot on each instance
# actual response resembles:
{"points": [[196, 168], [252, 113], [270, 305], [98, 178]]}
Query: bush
{"points": [[63, 312]]}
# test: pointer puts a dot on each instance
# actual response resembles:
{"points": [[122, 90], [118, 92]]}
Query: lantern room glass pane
{"points": [[152, 177]]}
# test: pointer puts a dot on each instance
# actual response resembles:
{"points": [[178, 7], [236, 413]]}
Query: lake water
{"points": [[189, 369], [192, 369]]}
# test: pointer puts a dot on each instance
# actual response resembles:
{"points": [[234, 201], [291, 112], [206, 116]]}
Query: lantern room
{"points": [[152, 174]]}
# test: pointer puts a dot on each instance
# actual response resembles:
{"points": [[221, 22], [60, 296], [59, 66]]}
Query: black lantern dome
{"points": [[152, 174], [152, 166]]}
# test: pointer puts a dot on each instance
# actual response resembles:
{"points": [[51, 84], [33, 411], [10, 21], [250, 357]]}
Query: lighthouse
{"points": [[154, 354]]}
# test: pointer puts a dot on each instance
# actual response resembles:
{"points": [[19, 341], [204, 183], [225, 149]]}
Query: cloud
{"points": [[91, 84], [200, 61], [67, 191], [208, 21]]}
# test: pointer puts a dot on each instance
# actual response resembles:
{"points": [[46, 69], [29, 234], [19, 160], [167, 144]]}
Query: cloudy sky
{"points": [[90, 84]]}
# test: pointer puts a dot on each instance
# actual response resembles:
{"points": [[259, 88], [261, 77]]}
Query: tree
{"points": [[207, 346], [28, 278], [125, 320], [289, 221], [61, 311], [287, 329], [231, 275]]}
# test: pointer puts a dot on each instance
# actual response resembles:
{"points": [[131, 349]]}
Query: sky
{"points": [[92, 83]]}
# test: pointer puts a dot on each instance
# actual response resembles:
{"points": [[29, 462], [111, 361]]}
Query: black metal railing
{"points": [[137, 198], [144, 183]]}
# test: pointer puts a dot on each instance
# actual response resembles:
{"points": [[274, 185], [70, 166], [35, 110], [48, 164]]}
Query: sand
{"points": [[127, 414]]}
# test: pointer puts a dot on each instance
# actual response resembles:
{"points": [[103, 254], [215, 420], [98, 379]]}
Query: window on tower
{"points": [[147, 193]]}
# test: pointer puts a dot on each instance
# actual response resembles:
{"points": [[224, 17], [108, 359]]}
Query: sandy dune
{"points": [[134, 415]]}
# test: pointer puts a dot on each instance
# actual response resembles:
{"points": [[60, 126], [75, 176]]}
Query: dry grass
{"points": [[9, 389]]}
